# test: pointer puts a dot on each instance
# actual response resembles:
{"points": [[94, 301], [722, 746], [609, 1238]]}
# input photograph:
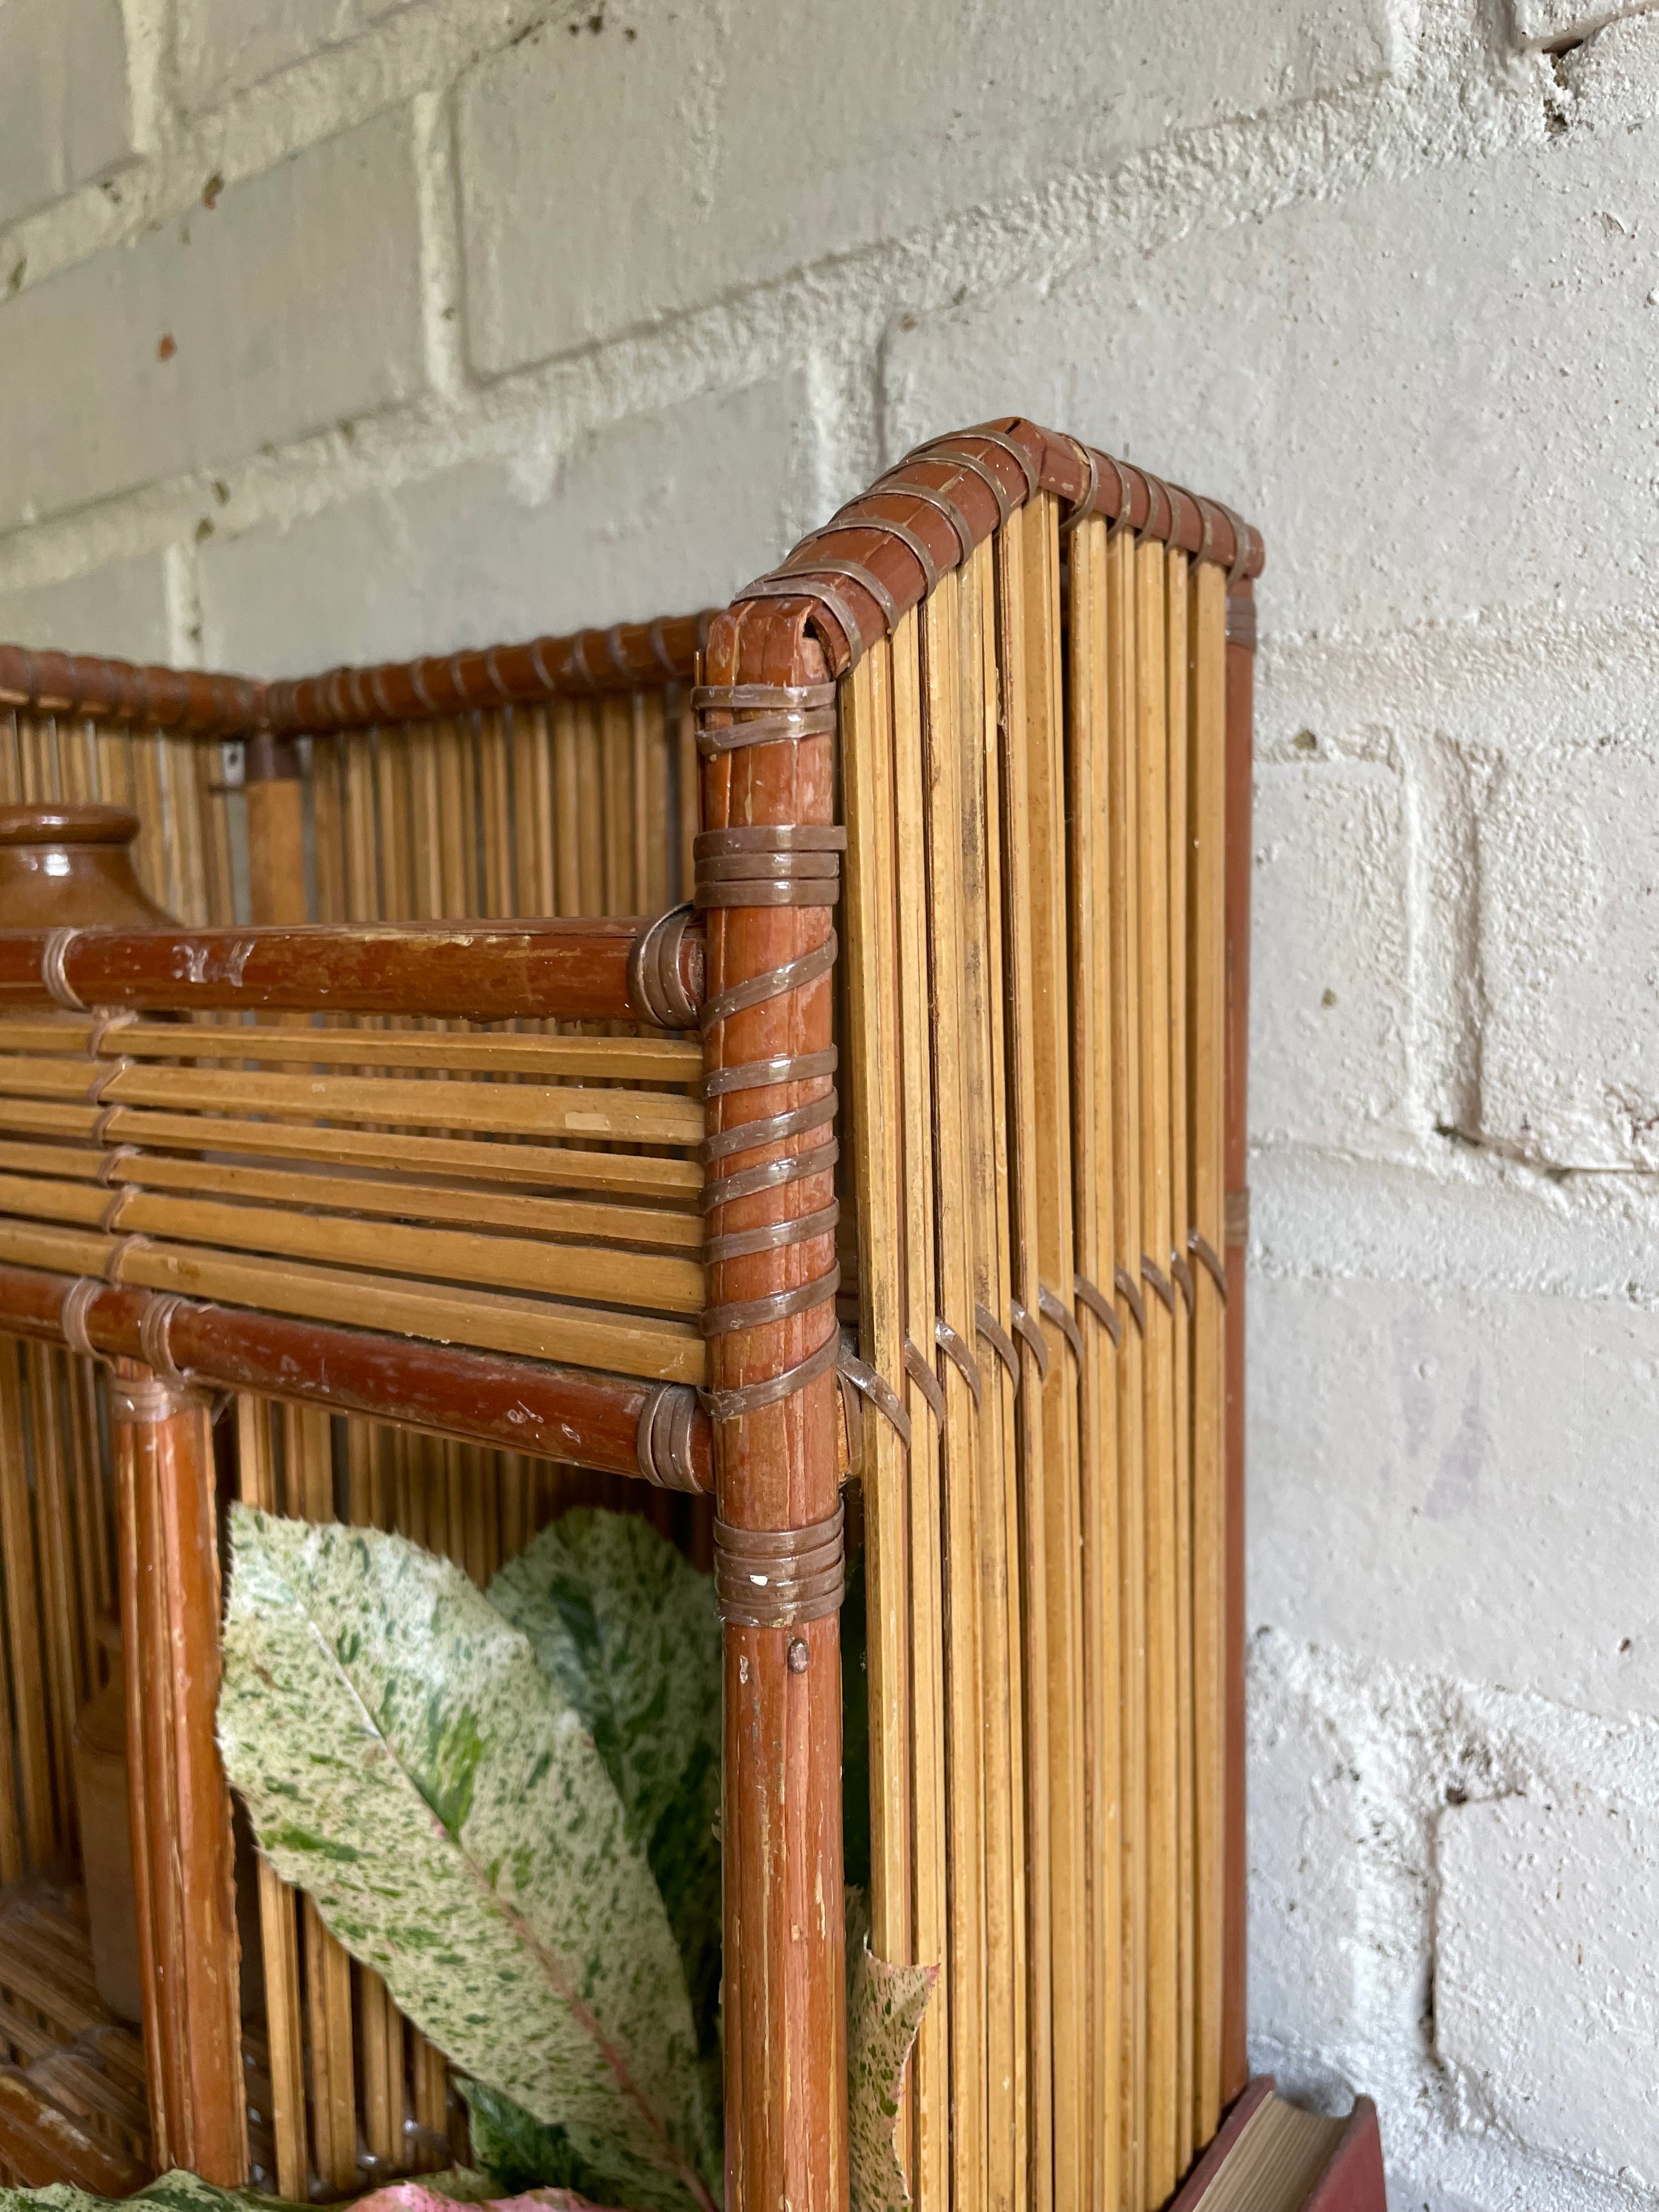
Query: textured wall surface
{"points": [[344, 328]]}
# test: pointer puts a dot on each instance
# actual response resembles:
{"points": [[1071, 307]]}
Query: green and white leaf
{"points": [[627, 1628], [407, 1761], [177, 2192], [884, 2008]]}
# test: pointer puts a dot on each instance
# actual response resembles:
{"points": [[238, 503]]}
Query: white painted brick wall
{"points": [[65, 116], [1546, 1981], [223, 46], [662, 514], [676, 152], [501, 323], [291, 304]]}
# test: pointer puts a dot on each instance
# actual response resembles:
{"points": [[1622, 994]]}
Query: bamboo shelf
{"points": [[697, 1065]]}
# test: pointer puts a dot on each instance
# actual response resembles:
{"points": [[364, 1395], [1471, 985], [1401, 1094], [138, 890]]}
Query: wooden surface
{"points": [[1240, 681], [179, 1803], [574, 970], [785, 2025]]}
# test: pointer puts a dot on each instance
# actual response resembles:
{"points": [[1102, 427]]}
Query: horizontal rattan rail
{"points": [[592, 1419], [575, 970]]}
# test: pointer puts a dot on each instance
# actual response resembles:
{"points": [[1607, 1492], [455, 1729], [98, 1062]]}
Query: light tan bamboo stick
{"points": [[615, 823], [1206, 1018], [660, 1282], [425, 808], [684, 723], [457, 822], [392, 793], [277, 850], [1024, 1221], [88, 1520], [531, 825], [66, 1683], [572, 1220], [627, 1343], [327, 830], [1124, 958], [380, 2022], [1092, 1002], [76, 764], [952, 1195], [873, 1112], [38, 765], [28, 1684], [1163, 1963], [665, 1061], [1045, 820], [431, 2100], [644, 1118], [307, 1443], [11, 769], [591, 851], [549, 1166], [657, 869], [495, 814], [931, 2063], [279, 1943], [359, 886], [1176, 759], [1008, 2181], [187, 854], [207, 773], [116, 781], [567, 719]]}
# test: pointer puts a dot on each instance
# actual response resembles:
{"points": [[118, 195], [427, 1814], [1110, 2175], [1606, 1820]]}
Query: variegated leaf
{"points": [[884, 2008], [626, 1627], [407, 1761]]}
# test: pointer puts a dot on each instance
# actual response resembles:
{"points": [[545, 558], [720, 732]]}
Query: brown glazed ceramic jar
{"points": [[71, 866]]}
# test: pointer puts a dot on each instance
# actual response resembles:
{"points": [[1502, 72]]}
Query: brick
{"points": [[119, 611], [673, 155], [1547, 1985], [656, 514], [223, 45], [1331, 958], [64, 115], [1563, 22], [1406, 386], [1569, 847], [1449, 1480], [291, 304], [1305, 1820]]}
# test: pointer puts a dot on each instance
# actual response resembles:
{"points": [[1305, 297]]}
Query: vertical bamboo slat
{"points": [[931, 2064], [948, 1187], [1206, 1077], [1123, 782], [1022, 1113], [1092, 1082], [873, 1112]]}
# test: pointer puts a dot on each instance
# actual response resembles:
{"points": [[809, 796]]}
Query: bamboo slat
{"points": [[1163, 1963], [873, 1112], [1024, 1215], [961, 1566], [1174, 757], [930, 2066], [1124, 958], [983, 1057], [1092, 1138], [1207, 1079]]}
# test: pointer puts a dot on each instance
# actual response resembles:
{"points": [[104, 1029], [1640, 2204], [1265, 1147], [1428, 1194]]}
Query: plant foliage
{"points": [[406, 1760], [884, 2008]]}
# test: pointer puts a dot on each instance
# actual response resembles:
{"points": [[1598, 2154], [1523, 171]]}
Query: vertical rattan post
{"points": [[1240, 674], [274, 793], [183, 1862], [766, 876]]}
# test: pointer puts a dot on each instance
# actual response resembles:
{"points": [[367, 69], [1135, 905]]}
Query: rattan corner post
{"points": [[1012, 682]]}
